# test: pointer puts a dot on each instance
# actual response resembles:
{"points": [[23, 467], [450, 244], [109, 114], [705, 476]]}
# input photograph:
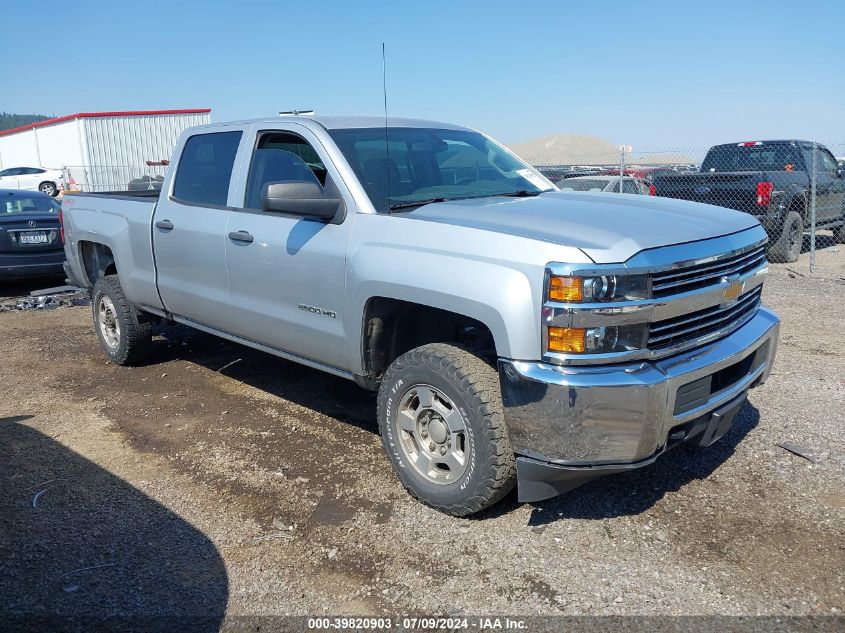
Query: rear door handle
{"points": [[165, 225], [240, 236]]}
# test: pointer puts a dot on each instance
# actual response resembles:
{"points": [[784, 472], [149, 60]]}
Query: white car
{"points": [[606, 183], [49, 181]]}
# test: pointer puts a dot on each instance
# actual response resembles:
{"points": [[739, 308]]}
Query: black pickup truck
{"points": [[771, 181]]}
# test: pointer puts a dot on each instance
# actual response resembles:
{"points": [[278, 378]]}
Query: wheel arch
{"points": [[797, 201], [390, 327], [97, 260], [487, 297]]}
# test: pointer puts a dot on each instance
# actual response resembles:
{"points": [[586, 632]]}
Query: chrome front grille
{"points": [[697, 325], [676, 281]]}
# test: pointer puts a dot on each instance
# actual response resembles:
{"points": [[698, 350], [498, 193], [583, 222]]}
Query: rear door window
{"points": [[205, 168]]}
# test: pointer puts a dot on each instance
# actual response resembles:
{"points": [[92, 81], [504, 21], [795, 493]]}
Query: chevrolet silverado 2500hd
{"points": [[516, 334]]}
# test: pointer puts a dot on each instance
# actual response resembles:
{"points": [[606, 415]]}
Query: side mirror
{"points": [[298, 197]]}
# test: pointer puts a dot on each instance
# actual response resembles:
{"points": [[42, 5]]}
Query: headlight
{"points": [[597, 289], [597, 340]]}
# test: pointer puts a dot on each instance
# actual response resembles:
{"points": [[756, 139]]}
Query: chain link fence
{"points": [[796, 189]]}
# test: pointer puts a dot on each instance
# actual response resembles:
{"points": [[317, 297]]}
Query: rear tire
{"points": [[442, 426], [787, 248], [124, 337], [49, 188]]}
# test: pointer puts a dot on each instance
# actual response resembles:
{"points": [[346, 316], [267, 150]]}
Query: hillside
{"points": [[8, 120], [574, 149], [567, 149]]}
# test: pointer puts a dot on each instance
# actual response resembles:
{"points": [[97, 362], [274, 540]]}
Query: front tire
{"points": [[787, 248], [124, 337], [49, 188], [442, 426]]}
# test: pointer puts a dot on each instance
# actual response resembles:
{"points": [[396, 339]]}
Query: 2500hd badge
{"points": [[316, 310]]}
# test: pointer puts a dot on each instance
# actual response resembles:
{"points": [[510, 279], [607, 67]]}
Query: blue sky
{"points": [[652, 74]]}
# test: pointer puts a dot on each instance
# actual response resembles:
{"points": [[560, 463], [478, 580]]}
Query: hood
{"points": [[609, 228]]}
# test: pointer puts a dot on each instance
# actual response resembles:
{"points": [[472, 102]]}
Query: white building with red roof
{"points": [[100, 150]]}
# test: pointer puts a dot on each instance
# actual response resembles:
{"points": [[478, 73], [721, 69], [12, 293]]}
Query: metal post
{"points": [[813, 211], [621, 166]]}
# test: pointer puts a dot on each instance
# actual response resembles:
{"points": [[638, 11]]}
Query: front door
{"points": [[29, 178], [830, 188], [189, 229], [286, 273]]}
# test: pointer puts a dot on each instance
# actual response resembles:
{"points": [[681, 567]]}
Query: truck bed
{"points": [[132, 195], [734, 190], [122, 222]]}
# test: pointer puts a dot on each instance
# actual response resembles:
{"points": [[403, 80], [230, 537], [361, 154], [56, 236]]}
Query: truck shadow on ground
{"points": [[319, 391], [83, 549], [612, 496], [636, 491]]}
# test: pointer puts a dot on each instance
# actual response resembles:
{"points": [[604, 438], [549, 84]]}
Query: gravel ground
{"points": [[218, 480]]}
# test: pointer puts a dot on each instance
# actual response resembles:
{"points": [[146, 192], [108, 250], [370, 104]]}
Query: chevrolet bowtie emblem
{"points": [[733, 290]]}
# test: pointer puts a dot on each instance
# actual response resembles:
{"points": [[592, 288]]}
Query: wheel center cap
{"points": [[437, 430]]}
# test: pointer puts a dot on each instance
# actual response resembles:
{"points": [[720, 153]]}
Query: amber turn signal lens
{"points": [[567, 339], [565, 289]]}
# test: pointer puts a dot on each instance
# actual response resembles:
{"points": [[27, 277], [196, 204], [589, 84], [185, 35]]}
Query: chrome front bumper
{"points": [[587, 416]]}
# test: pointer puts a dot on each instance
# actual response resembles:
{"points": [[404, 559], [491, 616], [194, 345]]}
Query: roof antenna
{"points": [[386, 137]]}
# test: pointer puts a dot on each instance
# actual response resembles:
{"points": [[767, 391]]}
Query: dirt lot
{"points": [[218, 480]]}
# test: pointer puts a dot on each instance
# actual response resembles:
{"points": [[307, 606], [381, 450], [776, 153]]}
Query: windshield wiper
{"points": [[522, 193], [416, 203]]}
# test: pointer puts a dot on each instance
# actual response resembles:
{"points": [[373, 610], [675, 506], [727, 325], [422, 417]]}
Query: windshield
{"points": [[28, 204], [401, 166], [751, 158], [577, 184]]}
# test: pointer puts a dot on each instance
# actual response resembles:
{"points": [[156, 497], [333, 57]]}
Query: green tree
{"points": [[8, 120]]}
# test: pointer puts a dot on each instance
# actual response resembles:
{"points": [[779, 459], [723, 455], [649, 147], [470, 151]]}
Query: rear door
{"points": [[189, 227], [287, 273]]}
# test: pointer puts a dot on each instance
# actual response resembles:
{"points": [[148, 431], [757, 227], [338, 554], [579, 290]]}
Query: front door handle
{"points": [[240, 236], [165, 225]]}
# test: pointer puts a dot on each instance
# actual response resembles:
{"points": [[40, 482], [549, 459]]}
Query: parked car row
{"points": [[609, 184], [557, 173]]}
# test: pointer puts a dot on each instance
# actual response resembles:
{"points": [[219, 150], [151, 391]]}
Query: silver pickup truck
{"points": [[516, 334]]}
